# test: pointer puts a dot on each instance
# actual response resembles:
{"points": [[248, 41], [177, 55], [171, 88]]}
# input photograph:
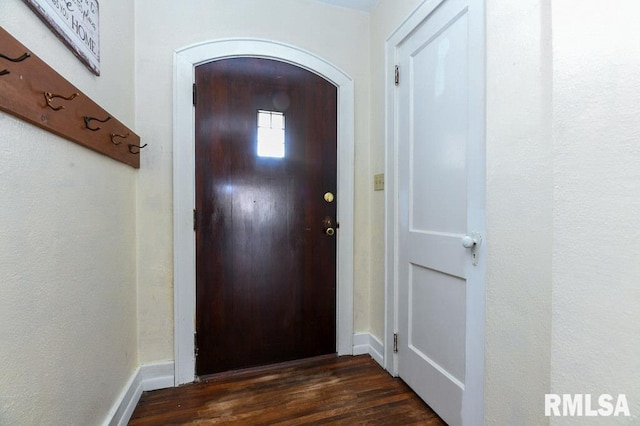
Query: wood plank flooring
{"points": [[323, 390]]}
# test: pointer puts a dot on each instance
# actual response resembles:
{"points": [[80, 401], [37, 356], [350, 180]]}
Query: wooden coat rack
{"points": [[32, 91]]}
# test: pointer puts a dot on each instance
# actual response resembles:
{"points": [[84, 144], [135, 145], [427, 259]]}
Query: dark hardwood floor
{"points": [[323, 390]]}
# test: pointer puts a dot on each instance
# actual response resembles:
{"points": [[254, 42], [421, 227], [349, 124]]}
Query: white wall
{"points": [[67, 243], [385, 18], [339, 35], [519, 211], [596, 175]]}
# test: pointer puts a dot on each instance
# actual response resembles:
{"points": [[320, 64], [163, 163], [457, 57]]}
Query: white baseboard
{"points": [[157, 376], [123, 408], [367, 343], [146, 377]]}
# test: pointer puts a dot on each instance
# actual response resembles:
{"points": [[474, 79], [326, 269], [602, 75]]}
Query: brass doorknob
{"points": [[329, 231], [328, 197]]}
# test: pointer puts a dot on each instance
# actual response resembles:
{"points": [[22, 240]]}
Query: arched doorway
{"points": [[184, 186]]}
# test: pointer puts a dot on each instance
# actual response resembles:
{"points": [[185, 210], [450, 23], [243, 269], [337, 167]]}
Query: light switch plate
{"points": [[378, 182]]}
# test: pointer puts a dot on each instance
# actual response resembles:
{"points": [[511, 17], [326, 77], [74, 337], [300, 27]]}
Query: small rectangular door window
{"points": [[270, 134]]}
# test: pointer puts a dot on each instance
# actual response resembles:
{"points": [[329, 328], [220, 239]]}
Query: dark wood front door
{"points": [[265, 264]]}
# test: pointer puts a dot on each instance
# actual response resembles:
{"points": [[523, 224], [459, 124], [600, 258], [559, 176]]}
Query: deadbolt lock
{"points": [[328, 227]]}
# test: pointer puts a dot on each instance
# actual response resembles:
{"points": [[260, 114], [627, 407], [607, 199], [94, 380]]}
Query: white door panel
{"points": [[437, 325], [435, 138], [439, 252]]}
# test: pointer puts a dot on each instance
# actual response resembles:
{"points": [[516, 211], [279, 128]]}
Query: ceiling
{"points": [[365, 5]]}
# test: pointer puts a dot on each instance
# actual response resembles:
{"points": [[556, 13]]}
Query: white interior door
{"points": [[438, 133]]}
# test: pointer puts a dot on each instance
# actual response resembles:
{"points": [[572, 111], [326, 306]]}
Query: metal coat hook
{"points": [[132, 146], [88, 120], [18, 59], [48, 96], [114, 136]]}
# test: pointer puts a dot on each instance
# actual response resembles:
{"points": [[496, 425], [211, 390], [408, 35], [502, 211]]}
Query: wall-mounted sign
{"points": [[76, 22]]}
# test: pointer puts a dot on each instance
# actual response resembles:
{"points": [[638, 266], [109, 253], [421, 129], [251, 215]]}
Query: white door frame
{"points": [[185, 61], [473, 405]]}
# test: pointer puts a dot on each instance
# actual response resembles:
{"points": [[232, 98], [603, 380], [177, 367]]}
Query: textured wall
{"points": [[339, 35], [596, 172], [519, 211], [67, 244]]}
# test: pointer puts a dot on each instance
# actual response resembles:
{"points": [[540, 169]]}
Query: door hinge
{"points": [[194, 94], [195, 219], [195, 344], [397, 75], [395, 342]]}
